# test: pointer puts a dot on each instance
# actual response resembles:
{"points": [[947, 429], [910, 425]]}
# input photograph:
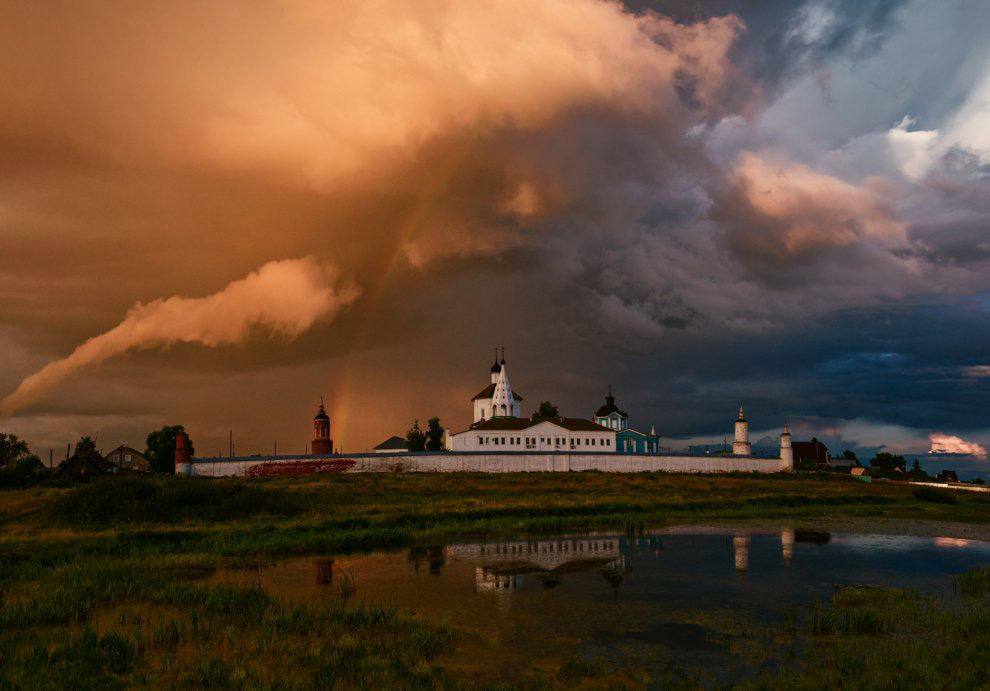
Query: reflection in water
{"points": [[952, 542], [787, 545], [324, 571], [740, 544], [434, 556], [667, 598], [813, 537], [502, 565]]}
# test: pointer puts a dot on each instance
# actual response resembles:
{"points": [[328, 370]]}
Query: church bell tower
{"points": [[322, 444]]}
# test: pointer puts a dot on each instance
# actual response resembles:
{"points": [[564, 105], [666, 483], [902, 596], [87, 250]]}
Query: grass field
{"points": [[105, 584]]}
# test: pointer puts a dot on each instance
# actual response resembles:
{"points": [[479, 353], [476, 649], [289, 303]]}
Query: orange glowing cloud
{"points": [[285, 297], [809, 209], [320, 90], [947, 443]]}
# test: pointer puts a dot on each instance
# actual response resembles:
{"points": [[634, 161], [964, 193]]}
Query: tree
{"points": [[26, 471], [434, 435], [160, 449], [916, 470], [415, 438], [546, 409], [887, 463], [85, 445], [849, 455], [18, 466], [12, 449]]}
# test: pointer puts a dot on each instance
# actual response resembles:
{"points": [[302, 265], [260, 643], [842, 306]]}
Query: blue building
{"points": [[626, 440]]}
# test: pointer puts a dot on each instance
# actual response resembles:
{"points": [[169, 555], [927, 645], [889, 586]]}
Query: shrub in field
{"points": [[936, 496], [138, 499]]}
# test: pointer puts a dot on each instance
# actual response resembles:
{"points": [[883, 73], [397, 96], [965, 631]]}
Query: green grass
{"points": [[934, 495], [107, 584], [870, 638]]}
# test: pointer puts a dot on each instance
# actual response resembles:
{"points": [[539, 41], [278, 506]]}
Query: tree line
{"points": [[20, 467]]}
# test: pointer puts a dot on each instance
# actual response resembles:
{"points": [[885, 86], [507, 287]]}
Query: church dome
{"points": [[610, 407]]}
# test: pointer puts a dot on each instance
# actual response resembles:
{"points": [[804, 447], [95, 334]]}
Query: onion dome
{"points": [[610, 407]]}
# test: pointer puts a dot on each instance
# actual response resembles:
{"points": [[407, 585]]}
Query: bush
{"points": [[975, 582], [170, 499], [936, 496], [27, 471]]}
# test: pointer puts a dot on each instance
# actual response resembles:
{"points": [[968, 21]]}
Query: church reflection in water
{"points": [[502, 566]]}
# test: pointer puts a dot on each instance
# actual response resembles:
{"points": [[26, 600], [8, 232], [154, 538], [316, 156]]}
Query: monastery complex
{"points": [[501, 440]]}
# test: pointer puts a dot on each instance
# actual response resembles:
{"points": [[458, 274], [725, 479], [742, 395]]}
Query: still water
{"points": [[694, 600]]}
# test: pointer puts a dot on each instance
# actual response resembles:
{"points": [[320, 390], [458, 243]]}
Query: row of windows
{"points": [[547, 547], [631, 445], [532, 441]]}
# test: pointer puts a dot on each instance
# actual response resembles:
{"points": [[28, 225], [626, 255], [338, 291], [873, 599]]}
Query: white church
{"points": [[499, 426]]}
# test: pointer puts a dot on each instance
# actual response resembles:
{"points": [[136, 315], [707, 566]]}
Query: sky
{"points": [[217, 213]]}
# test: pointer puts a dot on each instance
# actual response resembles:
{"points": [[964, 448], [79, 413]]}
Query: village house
{"points": [[127, 458]]}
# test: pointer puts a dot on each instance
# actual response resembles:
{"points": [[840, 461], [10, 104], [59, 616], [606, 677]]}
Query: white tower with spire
{"points": [[741, 445], [497, 400], [503, 404]]}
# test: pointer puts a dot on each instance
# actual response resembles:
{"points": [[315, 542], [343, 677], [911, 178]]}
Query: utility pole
{"points": [[230, 445]]}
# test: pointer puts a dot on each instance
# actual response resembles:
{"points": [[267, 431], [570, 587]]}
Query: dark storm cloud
{"points": [[784, 38], [592, 188]]}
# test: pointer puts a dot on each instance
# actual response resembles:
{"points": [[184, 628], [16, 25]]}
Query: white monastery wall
{"points": [[494, 463]]}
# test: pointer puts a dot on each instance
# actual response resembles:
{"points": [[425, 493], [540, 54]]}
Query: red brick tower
{"points": [[183, 452], [322, 443]]}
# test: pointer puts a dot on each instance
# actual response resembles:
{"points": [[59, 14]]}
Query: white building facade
{"points": [[522, 434]]}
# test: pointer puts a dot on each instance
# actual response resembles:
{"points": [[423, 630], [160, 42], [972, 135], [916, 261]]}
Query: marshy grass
{"points": [[936, 496], [974, 583], [108, 584], [219, 636], [871, 637]]}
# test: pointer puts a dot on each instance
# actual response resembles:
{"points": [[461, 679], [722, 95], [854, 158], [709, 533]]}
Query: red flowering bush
{"points": [[278, 468]]}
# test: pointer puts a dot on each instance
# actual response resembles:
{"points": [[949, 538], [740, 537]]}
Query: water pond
{"points": [[686, 600]]}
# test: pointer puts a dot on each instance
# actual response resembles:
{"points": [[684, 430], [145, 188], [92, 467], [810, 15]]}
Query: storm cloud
{"points": [[627, 194]]}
